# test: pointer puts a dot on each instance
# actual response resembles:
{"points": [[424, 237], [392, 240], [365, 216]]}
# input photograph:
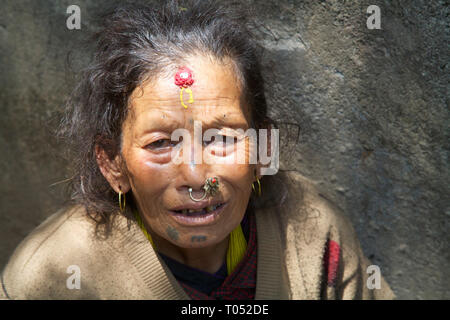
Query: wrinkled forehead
{"points": [[216, 90]]}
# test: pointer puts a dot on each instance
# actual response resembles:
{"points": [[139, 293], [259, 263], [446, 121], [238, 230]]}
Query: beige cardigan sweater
{"points": [[290, 243]]}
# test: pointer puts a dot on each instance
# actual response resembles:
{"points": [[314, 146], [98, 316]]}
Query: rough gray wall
{"points": [[371, 106]]}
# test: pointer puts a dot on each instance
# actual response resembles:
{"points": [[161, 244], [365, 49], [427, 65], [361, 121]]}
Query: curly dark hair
{"points": [[135, 43]]}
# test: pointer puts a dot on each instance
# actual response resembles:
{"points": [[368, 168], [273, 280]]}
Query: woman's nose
{"points": [[193, 176], [193, 173]]}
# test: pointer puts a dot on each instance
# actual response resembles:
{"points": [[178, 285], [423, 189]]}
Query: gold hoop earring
{"points": [[259, 186], [122, 206]]}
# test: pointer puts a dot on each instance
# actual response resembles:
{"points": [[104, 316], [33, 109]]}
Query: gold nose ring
{"points": [[210, 187]]}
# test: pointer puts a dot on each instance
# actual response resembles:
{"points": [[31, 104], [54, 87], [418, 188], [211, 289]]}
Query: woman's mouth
{"points": [[200, 216], [203, 211]]}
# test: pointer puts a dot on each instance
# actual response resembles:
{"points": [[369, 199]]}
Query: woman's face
{"points": [[160, 171]]}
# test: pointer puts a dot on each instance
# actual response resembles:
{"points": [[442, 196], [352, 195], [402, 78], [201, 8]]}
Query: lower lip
{"points": [[205, 219]]}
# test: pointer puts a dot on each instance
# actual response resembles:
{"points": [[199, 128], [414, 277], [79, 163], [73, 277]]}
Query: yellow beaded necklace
{"points": [[237, 245]]}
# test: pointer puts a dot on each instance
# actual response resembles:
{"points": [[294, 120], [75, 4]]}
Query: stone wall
{"points": [[370, 107]]}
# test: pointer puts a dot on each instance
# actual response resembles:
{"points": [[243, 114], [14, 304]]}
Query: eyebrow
{"points": [[165, 125], [219, 121]]}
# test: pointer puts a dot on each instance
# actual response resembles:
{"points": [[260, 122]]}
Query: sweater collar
{"points": [[271, 275], [160, 282]]}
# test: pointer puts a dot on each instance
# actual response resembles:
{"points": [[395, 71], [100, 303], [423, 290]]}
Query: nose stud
{"points": [[210, 187]]}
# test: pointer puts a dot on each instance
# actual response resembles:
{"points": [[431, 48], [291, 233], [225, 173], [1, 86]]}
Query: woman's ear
{"points": [[112, 170]]}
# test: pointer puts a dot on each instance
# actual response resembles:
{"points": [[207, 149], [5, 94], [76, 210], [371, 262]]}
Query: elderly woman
{"points": [[164, 211]]}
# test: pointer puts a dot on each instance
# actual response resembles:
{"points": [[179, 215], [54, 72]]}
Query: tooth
{"points": [[209, 208], [184, 211], [191, 211]]}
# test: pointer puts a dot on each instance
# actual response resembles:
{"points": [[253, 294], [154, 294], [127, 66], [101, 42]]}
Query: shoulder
{"points": [[320, 245], [40, 265]]}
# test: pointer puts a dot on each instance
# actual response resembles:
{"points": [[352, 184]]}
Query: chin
{"points": [[198, 240]]}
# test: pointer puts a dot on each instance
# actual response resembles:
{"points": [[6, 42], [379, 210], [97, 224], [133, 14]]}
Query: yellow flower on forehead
{"points": [[184, 79]]}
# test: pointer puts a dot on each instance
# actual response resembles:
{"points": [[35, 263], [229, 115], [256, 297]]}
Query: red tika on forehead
{"points": [[184, 78]]}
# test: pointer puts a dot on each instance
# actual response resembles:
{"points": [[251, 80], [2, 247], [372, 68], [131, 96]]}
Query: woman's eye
{"points": [[229, 140], [161, 143], [222, 140]]}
